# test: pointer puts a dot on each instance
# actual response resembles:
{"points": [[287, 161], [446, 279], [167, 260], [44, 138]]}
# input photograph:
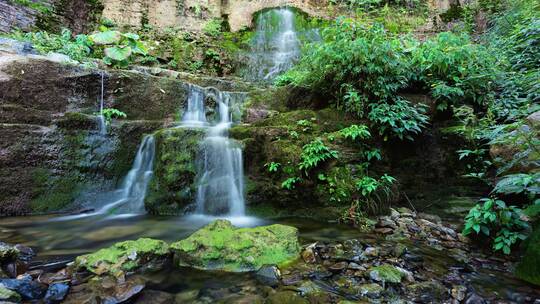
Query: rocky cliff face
{"points": [[51, 151], [194, 14]]}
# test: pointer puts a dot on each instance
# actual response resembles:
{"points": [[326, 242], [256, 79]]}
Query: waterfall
{"points": [[195, 114], [102, 124], [220, 178], [275, 46]]}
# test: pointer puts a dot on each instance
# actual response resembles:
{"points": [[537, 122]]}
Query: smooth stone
{"points": [[338, 267], [268, 275], [28, 289], [308, 255], [56, 293], [429, 290], [371, 251]]}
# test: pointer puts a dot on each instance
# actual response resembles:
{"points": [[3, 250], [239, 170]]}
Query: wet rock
{"points": [[371, 290], [406, 212], [386, 222], [268, 275], [220, 245], [123, 291], [291, 279], [125, 257], [244, 299], [398, 250], [26, 254], [155, 297], [309, 255], [8, 253], [407, 275], [56, 293], [394, 214], [338, 267], [427, 292], [474, 298], [384, 230], [385, 273], [430, 217], [28, 289], [289, 297], [413, 258], [371, 252], [459, 292], [7, 295]]}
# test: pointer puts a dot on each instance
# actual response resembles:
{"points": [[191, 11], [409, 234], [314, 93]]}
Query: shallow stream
{"points": [[60, 240]]}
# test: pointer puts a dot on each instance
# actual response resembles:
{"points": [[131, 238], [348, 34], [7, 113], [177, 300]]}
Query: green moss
{"points": [[529, 267], [220, 245], [173, 186], [53, 193], [124, 257], [386, 273]]}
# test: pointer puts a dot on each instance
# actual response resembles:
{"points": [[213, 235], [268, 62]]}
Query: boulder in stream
{"points": [[125, 257], [221, 246]]}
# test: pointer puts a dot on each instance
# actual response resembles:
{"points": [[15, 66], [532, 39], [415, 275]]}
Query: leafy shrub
{"points": [[213, 28], [401, 118], [118, 47], [272, 166], [110, 113], [314, 153], [290, 183], [355, 131], [495, 218]]}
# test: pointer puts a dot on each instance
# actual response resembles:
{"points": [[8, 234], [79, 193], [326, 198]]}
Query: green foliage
{"points": [[111, 113], [77, 49], [272, 166], [355, 131], [290, 183], [118, 47], [213, 27], [494, 218], [315, 153], [401, 118], [519, 183], [115, 48]]}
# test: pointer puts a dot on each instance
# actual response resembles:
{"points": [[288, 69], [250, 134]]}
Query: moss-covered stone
{"points": [[221, 246], [385, 273], [125, 257], [286, 296], [8, 296], [8, 253], [173, 186], [529, 267]]}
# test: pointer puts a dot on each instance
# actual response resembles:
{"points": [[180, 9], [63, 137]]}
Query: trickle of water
{"points": [[102, 124], [275, 47], [195, 113], [129, 199]]}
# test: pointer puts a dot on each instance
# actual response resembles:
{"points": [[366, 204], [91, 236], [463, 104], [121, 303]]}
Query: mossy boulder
{"points": [[529, 267], [125, 257], [8, 253], [221, 246], [386, 273], [173, 186]]}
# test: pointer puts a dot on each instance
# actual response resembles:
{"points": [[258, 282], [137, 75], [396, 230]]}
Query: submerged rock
{"points": [[289, 297], [56, 293], [268, 275], [125, 257], [220, 245], [28, 289]]}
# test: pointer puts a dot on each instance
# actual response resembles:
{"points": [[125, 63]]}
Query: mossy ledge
{"points": [[221, 246]]}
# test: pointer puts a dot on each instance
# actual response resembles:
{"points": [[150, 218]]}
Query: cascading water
{"points": [[129, 199], [220, 177], [275, 47], [195, 113]]}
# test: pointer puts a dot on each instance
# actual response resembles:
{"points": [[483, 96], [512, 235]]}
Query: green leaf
{"points": [[107, 37], [118, 53]]}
